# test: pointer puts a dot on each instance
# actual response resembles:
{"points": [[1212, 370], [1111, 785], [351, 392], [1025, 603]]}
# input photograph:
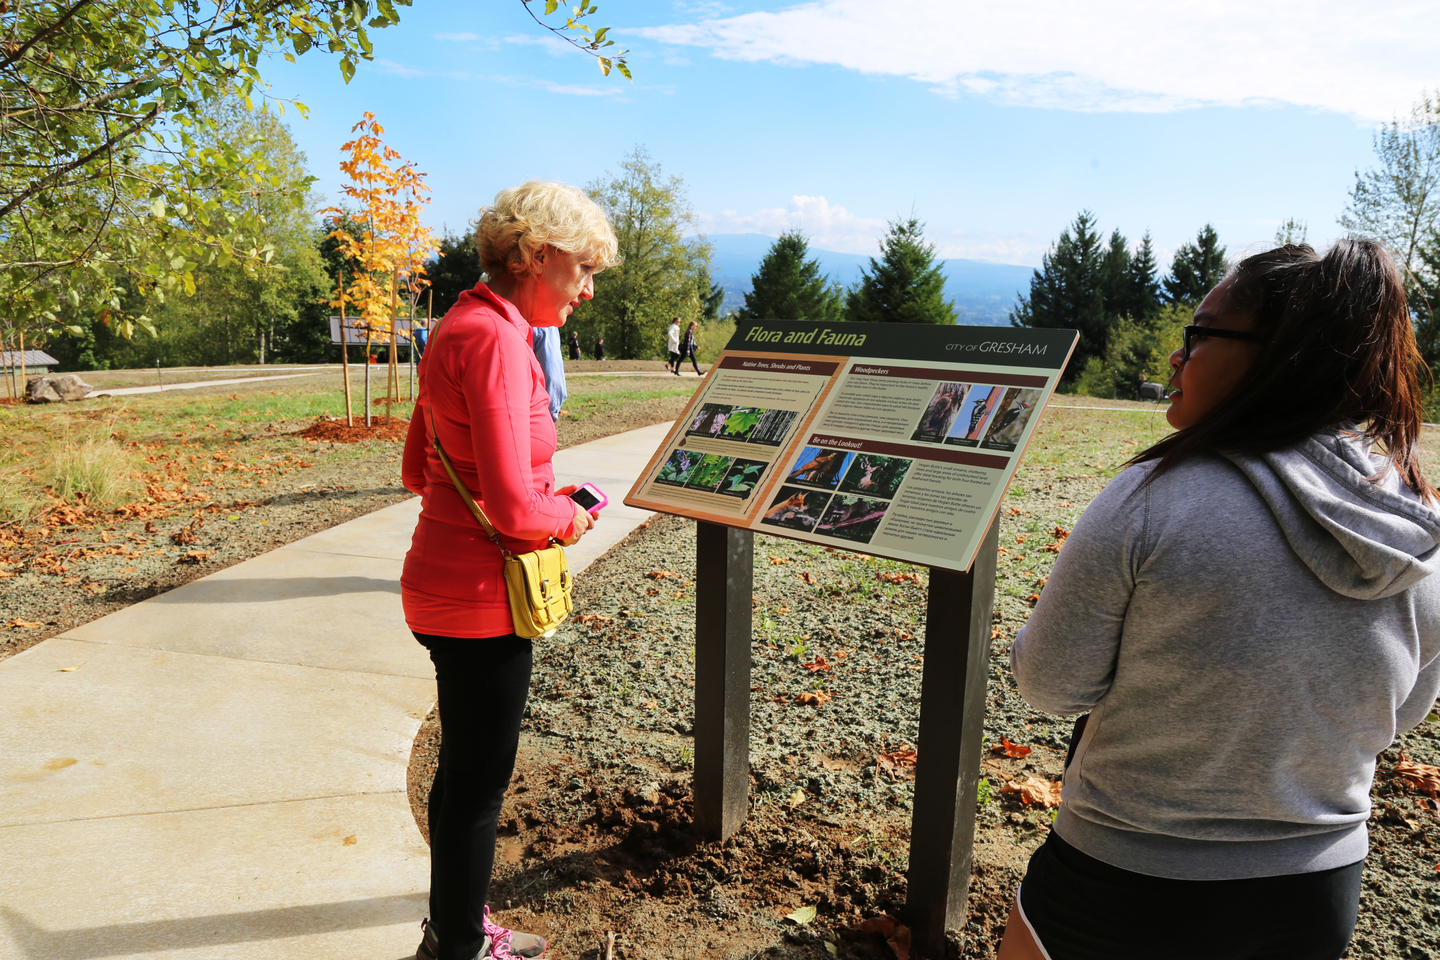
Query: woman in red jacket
{"points": [[540, 246]]}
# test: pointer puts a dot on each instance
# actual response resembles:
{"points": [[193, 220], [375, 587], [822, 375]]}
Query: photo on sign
{"points": [[852, 518], [819, 467], [969, 426], [774, 427], [795, 508], [1010, 418], [875, 476], [740, 423], [709, 421], [676, 470], [708, 473], [740, 481], [940, 413]]}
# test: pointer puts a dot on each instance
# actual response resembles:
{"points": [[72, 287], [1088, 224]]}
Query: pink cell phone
{"points": [[589, 496]]}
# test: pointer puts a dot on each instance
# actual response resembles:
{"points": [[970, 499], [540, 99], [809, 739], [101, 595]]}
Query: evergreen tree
{"points": [[1067, 292], [789, 287], [1144, 302], [1115, 276], [1196, 268], [905, 285]]}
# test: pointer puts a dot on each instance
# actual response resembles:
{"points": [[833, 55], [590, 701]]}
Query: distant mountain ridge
{"points": [[983, 292]]}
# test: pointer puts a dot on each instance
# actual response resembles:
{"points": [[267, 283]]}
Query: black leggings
{"points": [[1082, 908], [688, 355], [482, 686]]}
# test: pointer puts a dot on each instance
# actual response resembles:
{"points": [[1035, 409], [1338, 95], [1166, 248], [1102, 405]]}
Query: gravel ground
{"points": [[597, 836]]}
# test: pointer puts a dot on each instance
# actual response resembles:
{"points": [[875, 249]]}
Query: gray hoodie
{"points": [[1248, 634]]}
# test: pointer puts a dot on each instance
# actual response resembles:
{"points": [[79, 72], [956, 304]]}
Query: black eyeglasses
{"points": [[1195, 331]]}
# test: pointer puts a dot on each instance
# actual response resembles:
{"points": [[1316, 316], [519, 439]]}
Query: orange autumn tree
{"points": [[392, 245]]}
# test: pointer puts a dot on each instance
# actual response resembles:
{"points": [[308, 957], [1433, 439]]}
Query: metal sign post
{"points": [[724, 587], [952, 726]]}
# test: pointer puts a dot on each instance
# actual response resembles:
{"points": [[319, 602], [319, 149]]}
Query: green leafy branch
{"points": [[596, 41]]}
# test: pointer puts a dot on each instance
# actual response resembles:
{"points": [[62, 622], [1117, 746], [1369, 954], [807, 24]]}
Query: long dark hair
{"points": [[1340, 349]]}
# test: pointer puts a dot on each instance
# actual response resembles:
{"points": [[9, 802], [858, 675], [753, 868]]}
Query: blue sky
{"points": [[995, 124]]}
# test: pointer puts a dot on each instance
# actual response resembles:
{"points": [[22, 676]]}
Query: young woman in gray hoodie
{"points": [[1247, 616]]}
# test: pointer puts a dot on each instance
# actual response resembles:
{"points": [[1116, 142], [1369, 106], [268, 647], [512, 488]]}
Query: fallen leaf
{"points": [[898, 577], [24, 624], [1014, 511], [795, 799], [350, 841], [803, 915], [195, 557], [1020, 538], [898, 762], [831, 949], [1421, 776], [805, 575], [900, 942], [885, 926], [818, 665], [660, 574], [813, 698], [775, 560], [995, 633], [1060, 533], [1011, 749], [1033, 790]]}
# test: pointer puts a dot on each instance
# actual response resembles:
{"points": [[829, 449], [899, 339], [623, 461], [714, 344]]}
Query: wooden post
{"points": [[345, 354], [952, 723], [411, 352], [20, 386], [392, 370], [369, 338], [724, 592]]}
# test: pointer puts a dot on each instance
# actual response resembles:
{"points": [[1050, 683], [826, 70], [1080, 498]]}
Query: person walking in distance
{"points": [[687, 348], [599, 348], [672, 344], [573, 342]]}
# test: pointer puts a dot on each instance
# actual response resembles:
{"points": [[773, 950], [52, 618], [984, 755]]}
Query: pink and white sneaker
{"points": [[506, 944]]}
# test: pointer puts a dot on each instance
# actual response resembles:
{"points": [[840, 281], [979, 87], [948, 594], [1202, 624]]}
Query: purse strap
{"points": [[460, 486]]}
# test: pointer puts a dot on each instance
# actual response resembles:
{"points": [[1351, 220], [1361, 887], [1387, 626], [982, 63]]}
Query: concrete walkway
{"points": [[219, 772], [193, 384]]}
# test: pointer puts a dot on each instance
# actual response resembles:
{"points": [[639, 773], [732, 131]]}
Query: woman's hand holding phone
{"points": [[583, 519]]}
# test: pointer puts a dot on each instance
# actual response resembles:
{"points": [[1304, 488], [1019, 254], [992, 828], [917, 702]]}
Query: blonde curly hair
{"points": [[523, 220]]}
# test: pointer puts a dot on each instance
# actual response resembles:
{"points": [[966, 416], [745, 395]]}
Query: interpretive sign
{"points": [[897, 439], [355, 331]]}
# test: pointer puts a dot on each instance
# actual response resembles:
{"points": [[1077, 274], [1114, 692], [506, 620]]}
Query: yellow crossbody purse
{"points": [[538, 582]]}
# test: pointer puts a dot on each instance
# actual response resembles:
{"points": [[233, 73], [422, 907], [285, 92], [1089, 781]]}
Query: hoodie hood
{"points": [[1363, 539]]}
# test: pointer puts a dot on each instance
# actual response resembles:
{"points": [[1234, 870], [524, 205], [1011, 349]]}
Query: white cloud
{"points": [[1369, 60], [830, 226], [825, 226], [582, 90]]}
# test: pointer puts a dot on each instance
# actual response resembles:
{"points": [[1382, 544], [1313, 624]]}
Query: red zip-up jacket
{"points": [[480, 379]]}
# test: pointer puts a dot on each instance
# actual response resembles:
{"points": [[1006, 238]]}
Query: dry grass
{"points": [[93, 467]]}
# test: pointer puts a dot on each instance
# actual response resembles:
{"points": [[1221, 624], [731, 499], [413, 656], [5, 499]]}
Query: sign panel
{"points": [[897, 440], [355, 331]]}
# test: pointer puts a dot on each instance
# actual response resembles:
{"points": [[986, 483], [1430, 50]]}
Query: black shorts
{"points": [[1081, 908]]}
